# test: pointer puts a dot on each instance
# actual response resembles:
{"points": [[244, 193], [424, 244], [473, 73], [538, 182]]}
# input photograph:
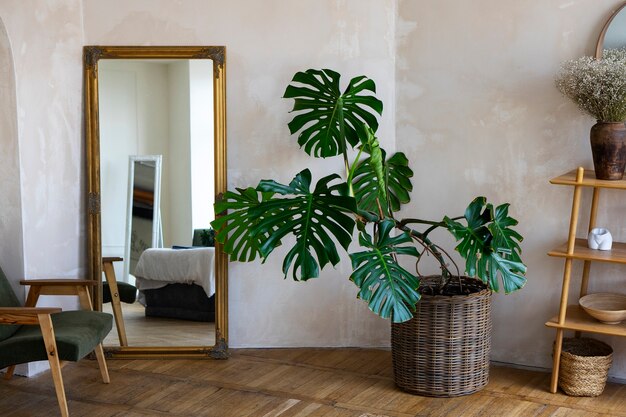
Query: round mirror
{"points": [[613, 34]]}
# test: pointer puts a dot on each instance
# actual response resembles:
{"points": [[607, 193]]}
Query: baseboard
{"points": [[547, 370]]}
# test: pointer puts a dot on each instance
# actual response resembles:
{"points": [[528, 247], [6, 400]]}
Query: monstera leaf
{"points": [[504, 238], [397, 181], [389, 289], [375, 173], [489, 247], [238, 222], [326, 118], [314, 218]]}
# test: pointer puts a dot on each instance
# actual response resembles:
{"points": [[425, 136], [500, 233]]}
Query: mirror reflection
{"points": [[143, 229], [615, 36], [157, 191]]}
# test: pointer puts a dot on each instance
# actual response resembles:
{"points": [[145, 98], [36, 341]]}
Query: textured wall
{"points": [[11, 256], [46, 38], [478, 114], [264, 50]]}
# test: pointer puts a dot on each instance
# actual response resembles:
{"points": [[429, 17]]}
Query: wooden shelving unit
{"points": [[573, 317]]}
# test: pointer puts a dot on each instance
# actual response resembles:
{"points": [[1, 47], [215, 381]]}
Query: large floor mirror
{"points": [[155, 120]]}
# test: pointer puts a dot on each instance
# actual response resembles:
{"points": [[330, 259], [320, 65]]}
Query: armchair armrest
{"points": [[57, 282], [79, 287], [112, 259], [24, 315]]}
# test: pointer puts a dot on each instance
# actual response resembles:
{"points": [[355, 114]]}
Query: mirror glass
{"points": [[615, 36], [613, 33], [157, 191], [143, 228]]}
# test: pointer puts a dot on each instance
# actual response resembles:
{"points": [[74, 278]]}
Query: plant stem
{"points": [[342, 144], [350, 173], [404, 222], [430, 247]]}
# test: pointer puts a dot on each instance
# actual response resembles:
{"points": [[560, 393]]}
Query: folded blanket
{"points": [[158, 267]]}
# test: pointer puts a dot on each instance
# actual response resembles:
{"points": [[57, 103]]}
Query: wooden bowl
{"points": [[606, 307]]}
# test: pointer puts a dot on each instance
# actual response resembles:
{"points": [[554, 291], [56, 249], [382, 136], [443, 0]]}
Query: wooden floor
{"points": [[286, 383], [157, 331]]}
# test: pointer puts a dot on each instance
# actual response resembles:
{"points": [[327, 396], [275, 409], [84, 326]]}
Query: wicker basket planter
{"points": [[444, 350], [584, 367]]}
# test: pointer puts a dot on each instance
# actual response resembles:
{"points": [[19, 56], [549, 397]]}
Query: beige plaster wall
{"points": [[478, 114], [11, 259], [46, 38], [264, 49], [267, 43]]}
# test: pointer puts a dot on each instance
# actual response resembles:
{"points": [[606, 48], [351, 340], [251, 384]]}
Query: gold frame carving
{"points": [[91, 56]]}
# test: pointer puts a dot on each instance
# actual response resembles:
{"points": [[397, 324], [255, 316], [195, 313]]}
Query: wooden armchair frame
{"points": [[79, 287], [31, 315]]}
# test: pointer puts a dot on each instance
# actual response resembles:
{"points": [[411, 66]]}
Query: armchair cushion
{"points": [[76, 332], [127, 292], [7, 299]]}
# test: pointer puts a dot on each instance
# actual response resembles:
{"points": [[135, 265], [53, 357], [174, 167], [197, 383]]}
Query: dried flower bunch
{"points": [[598, 86]]}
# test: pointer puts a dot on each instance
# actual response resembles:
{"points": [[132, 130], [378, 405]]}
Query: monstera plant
{"points": [[315, 219]]}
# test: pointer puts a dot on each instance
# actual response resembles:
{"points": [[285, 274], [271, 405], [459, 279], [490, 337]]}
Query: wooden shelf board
{"points": [[589, 180], [617, 254], [577, 319]]}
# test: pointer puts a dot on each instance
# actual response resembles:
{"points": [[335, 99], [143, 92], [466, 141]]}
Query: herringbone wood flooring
{"points": [[286, 383], [157, 331]]}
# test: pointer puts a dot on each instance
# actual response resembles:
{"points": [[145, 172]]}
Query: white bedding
{"points": [[158, 267]]}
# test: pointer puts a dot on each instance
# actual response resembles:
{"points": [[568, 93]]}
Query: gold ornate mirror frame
{"points": [[91, 56]]}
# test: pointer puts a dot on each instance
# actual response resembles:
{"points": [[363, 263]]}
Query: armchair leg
{"points": [[45, 322], [9, 372], [109, 274], [102, 364], [33, 296], [84, 298]]}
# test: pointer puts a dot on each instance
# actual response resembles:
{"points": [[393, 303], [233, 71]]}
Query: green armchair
{"points": [[30, 334]]}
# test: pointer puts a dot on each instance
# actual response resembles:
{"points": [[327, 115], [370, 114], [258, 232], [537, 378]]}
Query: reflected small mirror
{"points": [[143, 219]]}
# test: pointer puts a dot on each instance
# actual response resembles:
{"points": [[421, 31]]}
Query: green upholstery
{"points": [[128, 293], [7, 299], [76, 333]]}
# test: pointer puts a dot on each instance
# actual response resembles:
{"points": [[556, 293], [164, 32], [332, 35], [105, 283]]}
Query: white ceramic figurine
{"points": [[600, 238]]}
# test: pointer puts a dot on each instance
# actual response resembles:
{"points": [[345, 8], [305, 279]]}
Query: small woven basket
{"points": [[584, 366], [443, 351]]}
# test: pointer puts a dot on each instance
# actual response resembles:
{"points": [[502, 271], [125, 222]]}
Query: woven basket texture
{"points": [[585, 364], [444, 350]]}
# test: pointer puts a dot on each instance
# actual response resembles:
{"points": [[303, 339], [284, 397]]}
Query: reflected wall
{"points": [[161, 107]]}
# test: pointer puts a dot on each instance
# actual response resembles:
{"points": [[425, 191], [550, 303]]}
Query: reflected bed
{"points": [[177, 283]]}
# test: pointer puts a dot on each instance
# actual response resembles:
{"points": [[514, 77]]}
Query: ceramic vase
{"points": [[608, 147], [600, 238]]}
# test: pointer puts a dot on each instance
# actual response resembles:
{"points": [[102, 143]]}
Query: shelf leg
{"points": [[571, 240], [594, 208], [556, 361], [592, 223], [584, 284], [567, 273], [593, 214]]}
